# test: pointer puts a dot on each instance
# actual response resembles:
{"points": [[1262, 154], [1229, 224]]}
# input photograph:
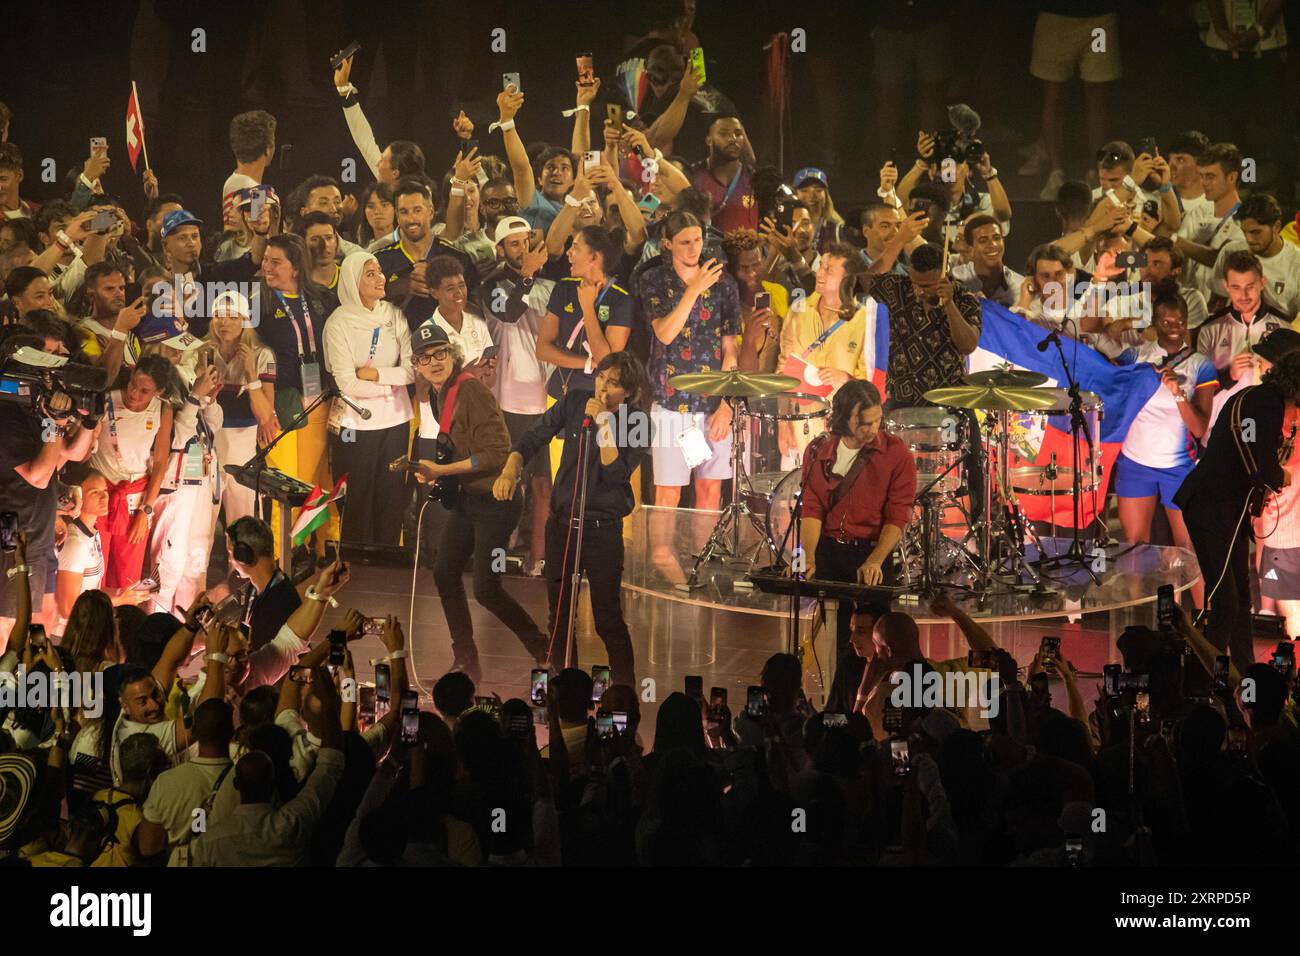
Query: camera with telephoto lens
{"points": [[957, 146], [50, 386]]}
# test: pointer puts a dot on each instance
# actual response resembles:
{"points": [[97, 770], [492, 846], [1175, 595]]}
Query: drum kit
{"points": [[972, 447]]}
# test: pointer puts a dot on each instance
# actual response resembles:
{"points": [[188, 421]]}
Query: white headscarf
{"points": [[351, 307]]}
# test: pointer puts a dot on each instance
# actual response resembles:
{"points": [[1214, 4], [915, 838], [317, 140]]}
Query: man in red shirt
{"points": [[727, 177], [859, 484]]}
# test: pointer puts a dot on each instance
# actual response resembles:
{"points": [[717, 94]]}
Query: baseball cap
{"points": [[1277, 343], [181, 217], [166, 330], [427, 336], [245, 196], [511, 225], [230, 299], [809, 172]]}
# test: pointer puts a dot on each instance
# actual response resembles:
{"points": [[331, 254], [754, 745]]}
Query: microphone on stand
{"points": [[363, 413], [1053, 336]]}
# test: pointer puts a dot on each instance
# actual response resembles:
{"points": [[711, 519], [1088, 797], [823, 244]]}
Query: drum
{"points": [[757, 490], [804, 414], [780, 512], [937, 438], [1030, 435], [787, 407]]}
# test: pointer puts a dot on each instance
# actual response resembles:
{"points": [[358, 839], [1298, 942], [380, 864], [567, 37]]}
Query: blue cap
{"points": [[166, 330], [181, 217], [809, 172]]}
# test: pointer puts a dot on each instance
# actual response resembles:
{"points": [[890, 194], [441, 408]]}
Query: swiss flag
{"points": [[134, 128]]}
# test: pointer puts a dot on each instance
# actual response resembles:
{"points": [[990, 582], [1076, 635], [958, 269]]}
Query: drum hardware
{"points": [[733, 387], [1075, 553]]}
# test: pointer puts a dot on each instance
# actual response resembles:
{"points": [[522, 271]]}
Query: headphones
{"points": [[241, 550]]}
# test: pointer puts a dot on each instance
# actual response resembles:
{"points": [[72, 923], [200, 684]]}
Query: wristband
{"points": [[1180, 398], [311, 594], [457, 191], [580, 108], [993, 174], [252, 386], [1132, 228], [1164, 188], [1130, 185], [218, 657], [570, 201], [508, 124], [659, 153], [17, 569], [345, 90], [118, 334], [65, 243], [397, 655]]}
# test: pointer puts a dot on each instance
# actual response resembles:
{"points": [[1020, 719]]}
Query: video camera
{"points": [[53, 387], [959, 142]]}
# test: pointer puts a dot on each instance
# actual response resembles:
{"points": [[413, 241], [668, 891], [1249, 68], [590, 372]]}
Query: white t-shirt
{"points": [[124, 449], [521, 376], [1158, 438], [1281, 276], [474, 336], [1202, 226], [81, 554], [844, 456]]}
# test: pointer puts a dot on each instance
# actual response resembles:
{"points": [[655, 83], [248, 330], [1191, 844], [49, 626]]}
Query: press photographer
{"points": [[49, 413]]}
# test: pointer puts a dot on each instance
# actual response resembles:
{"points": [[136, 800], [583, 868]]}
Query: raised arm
{"points": [[508, 103], [362, 135]]}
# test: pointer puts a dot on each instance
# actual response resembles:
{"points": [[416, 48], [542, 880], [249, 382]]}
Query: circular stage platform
{"points": [[663, 543]]}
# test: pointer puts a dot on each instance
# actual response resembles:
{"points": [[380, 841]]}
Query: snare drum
{"points": [[936, 436], [1027, 437]]}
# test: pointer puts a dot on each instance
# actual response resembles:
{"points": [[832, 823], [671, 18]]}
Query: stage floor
{"points": [[725, 635]]}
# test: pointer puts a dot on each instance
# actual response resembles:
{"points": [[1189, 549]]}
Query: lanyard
{"points": [[1226, 217], [293, 322], [573, 336], [735, 181], [112, 430], [374, 345], [823, 337]]}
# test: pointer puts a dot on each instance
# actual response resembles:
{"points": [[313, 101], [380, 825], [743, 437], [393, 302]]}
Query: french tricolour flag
{"points": [[1009, 341]]}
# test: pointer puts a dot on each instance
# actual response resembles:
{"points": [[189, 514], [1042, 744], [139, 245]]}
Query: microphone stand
{"points": [[258, 461], [1077, 424], [584, 465]]}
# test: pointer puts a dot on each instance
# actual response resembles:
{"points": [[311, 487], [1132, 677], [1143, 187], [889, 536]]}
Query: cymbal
{"points": [[732, 384], [1005, 378], [992, 399]]}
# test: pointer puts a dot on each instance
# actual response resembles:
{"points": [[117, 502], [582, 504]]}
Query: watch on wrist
{"points": [[146, 510]]}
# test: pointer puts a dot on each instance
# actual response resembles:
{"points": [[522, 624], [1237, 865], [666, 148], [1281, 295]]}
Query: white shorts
{"points": [[669, 462]]}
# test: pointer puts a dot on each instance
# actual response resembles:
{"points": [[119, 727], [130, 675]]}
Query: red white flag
{"points": [[134, 129]]}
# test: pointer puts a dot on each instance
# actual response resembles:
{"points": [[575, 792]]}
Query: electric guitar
{"points": [[446, 490]]}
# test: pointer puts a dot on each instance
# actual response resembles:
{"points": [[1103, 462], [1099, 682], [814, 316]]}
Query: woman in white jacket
{"points": [[368, 351]]}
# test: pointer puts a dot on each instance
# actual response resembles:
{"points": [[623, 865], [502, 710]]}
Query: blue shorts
{"points": [[1133, 480]]}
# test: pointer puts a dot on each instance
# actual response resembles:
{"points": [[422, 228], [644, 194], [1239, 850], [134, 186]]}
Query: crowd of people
{"points": [[441, 348]]}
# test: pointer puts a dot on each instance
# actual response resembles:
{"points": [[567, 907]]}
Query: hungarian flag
{"points": [[134, 128], [315, 510]]}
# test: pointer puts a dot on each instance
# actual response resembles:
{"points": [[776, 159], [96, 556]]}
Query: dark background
{"points": [[66, 67]]}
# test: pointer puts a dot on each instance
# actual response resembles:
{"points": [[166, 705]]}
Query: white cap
{"points": [[231, 299], [511, 225]]}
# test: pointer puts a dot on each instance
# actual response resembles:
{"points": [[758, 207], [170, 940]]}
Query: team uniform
{"points": [[123, 454], [235, 441], [397, 263], [1157, 453]]}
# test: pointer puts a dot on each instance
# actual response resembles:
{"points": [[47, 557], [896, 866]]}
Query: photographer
{"points": [[964, 196], [30, 454]]}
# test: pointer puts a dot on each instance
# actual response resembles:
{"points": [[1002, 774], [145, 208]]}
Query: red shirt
{"points": [[737, 211], [882, 493]]}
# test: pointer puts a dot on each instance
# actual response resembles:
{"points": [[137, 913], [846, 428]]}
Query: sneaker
{"points": [[1055, 179]]}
